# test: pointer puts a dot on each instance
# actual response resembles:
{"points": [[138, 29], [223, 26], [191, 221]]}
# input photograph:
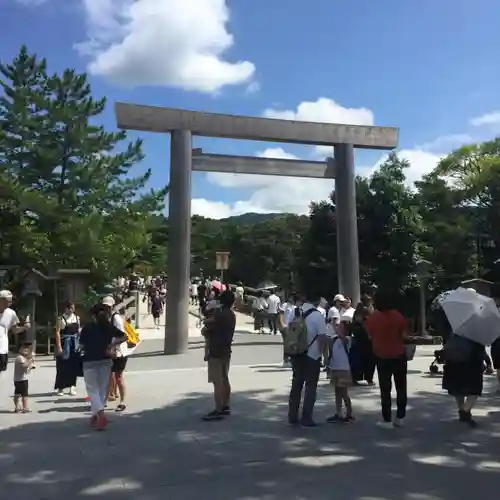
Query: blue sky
{"points": [[429, 67]]}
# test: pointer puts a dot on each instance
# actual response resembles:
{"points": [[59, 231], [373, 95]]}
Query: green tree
{"points": [[389, 226], [51, 144], [446, 235], [317, 266], [475, 174]]}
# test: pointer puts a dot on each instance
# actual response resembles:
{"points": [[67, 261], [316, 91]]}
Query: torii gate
{"points": [[182, 125]]}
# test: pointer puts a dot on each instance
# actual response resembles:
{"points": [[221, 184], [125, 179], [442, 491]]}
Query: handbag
{"points": [[410, 350]]}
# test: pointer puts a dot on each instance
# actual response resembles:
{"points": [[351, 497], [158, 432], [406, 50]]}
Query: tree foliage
{"points": [[69, 195]]}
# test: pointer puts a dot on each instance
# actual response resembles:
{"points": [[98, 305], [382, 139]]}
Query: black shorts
{"points": [[21, 388], [119, 364], [4, 360]]}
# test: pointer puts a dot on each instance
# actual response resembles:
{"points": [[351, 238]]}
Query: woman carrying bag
{"points": [[387, 328]]}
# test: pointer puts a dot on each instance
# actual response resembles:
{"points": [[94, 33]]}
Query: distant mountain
{"points": [[252, 218]]}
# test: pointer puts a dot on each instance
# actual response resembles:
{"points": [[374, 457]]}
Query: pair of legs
{"points": [[389, 369], [340, 381], [21, 396], [464, 406], [465, 403], [117, 389], [258, 324], [96, 375], [272, 322], [218, 375], [65, 375], [156, 319], [305, 376]]}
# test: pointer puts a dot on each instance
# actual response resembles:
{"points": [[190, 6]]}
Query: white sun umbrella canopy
{"points": [[472, 315]]}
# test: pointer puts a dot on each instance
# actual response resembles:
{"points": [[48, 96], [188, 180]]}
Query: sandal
{"points": [[121, 407]]}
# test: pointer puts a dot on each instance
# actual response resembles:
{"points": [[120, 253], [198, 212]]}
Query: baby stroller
{"points": [[438, 360], [440, 326]]}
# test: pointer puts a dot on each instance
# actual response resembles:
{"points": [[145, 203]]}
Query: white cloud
{"points": [[492, 118], [178, 43], [272, 193], [446, 143], [248, 180], [324, 110], [253, 88]]}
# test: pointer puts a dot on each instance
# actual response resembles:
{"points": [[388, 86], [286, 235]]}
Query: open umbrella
{"points": [[217, 285], [472, 315], [267, 285]]}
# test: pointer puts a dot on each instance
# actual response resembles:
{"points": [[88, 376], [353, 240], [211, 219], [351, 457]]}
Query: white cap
{"points": [[339, 298], [108, 301], [6, 294]]}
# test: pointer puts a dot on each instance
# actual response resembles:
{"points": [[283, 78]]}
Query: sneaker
{"points": [[398, 423], [226, 411], [334, 419], [72, 391], [101, 421], [59, 393], [213, 415], [384, 425], [348, 419]]}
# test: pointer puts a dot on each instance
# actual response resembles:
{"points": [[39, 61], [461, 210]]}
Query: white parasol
{"points": [[472, 315]]}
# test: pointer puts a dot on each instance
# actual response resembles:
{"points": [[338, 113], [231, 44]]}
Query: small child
{"points": [[23, 365], [339, 373]]}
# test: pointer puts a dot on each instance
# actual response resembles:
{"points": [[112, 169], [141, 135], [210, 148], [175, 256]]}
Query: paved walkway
{"points": [[148, 331], [161, 450]]}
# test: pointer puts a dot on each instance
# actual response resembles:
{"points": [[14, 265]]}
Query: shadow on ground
{"points": [[169, 453]]}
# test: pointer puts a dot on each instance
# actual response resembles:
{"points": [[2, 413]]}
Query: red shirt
{"points": [[386, 330]]}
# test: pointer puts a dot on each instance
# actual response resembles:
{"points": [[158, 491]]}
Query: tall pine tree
{"points": [[52, 144]]}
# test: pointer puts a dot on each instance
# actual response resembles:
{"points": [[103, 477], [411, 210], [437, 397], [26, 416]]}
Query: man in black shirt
{"points": [[219, 333]]}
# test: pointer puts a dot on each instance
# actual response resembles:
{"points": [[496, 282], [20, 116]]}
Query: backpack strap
{"points": [[304, 316]]}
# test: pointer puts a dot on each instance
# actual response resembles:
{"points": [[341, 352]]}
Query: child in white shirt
{"points": [[23, 365], [339, 373]]}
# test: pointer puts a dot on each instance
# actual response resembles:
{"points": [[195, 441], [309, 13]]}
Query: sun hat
{"points": [[6, 294], [108, 301]]}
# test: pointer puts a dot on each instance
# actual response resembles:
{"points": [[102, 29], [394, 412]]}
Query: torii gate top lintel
{"points": [[159, 119]]}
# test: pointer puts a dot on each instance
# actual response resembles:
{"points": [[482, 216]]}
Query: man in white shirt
{"points": [[8, 322], [194, 293], [306, 368], [273, 307]]}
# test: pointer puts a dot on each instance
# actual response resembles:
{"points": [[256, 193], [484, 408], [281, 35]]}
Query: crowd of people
{"points": [[348, 343], [96, 349]]}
